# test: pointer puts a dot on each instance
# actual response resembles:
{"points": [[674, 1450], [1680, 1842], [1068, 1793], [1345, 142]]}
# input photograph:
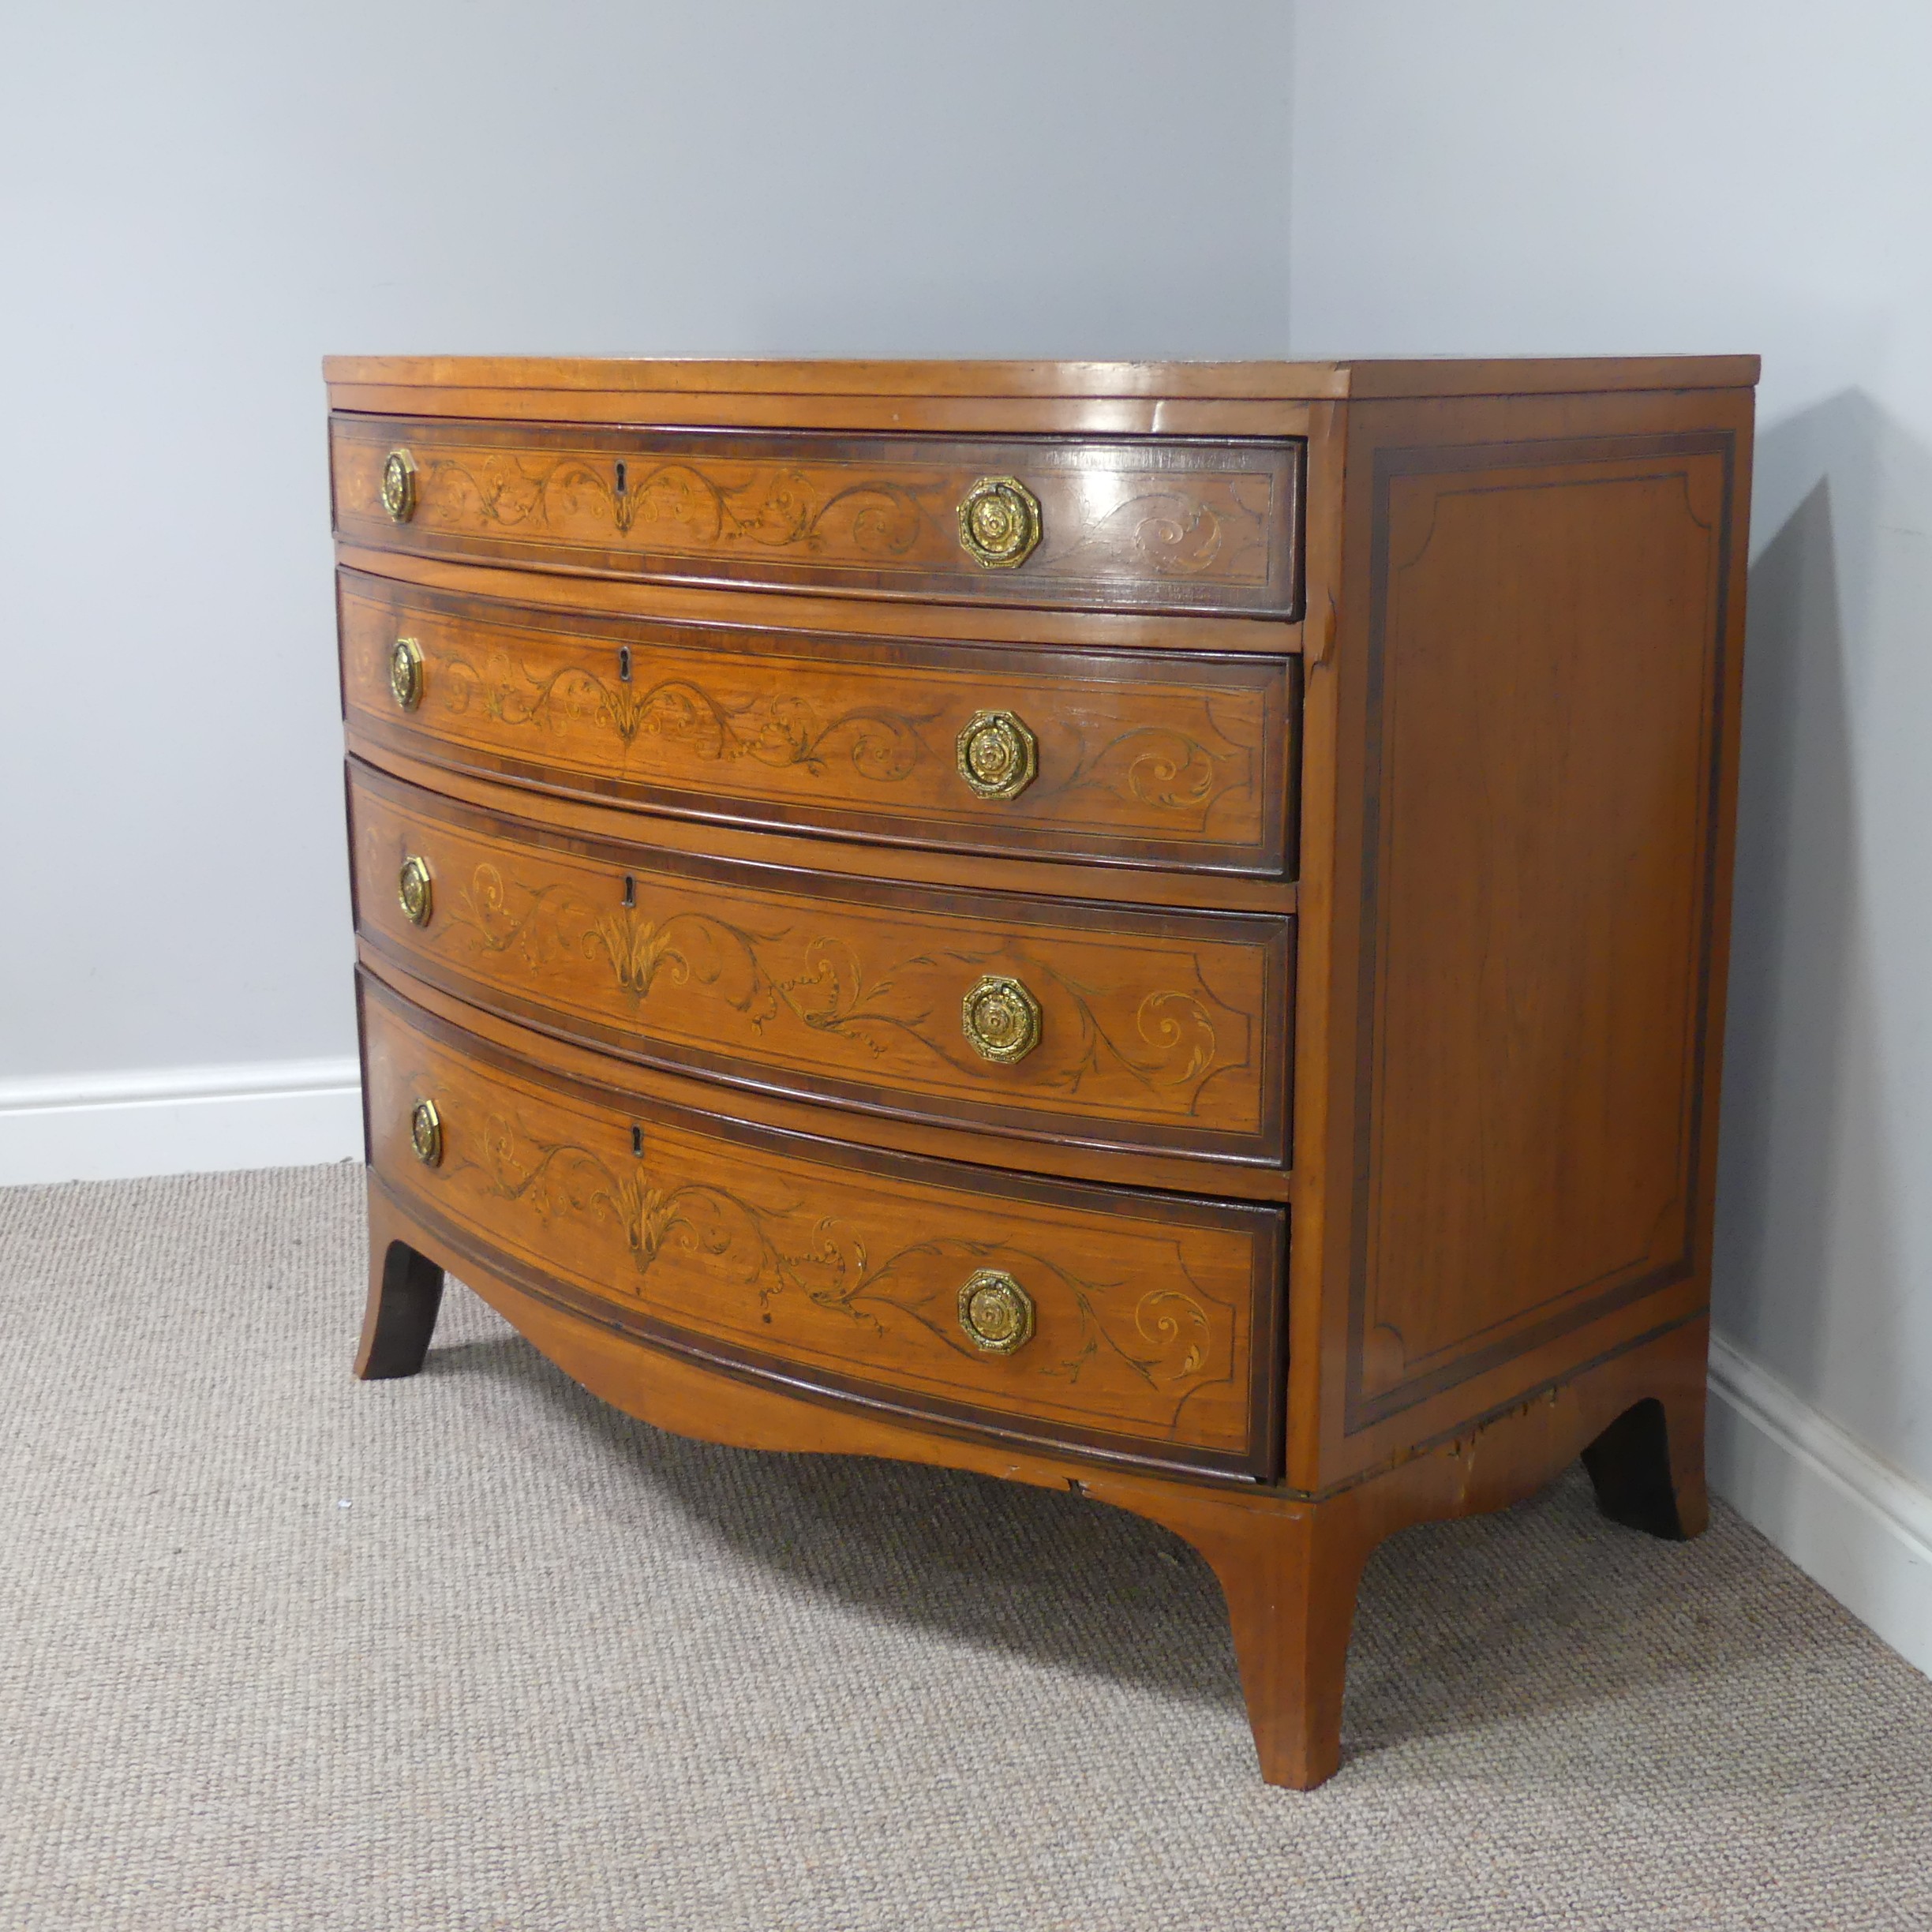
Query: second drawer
{"points": [[1140, 758], [1109, 1025]]}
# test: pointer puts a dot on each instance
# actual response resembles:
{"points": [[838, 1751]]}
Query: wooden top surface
{"points": [[1264, 381]]}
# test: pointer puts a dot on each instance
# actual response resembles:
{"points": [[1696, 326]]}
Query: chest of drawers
{"points": [[1157, 929]]}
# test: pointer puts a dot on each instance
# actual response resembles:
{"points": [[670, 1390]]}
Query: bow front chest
{"points": [[1153, 928]]}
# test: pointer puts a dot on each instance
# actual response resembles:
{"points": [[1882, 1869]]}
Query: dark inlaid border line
{"points": [[1360, 1411]]}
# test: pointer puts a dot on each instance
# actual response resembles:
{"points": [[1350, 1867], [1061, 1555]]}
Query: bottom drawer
{"points": [[1134, 1326]]}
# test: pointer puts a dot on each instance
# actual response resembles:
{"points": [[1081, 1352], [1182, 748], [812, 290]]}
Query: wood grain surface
{"points": [[1154, 1316], [1181, 760], [1537, 672], [721, 380], [1162, 1030], [1541, 740], [1158, 524]]}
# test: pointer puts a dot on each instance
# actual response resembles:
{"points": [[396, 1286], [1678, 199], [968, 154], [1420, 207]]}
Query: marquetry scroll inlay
{"points": [[860, 1276], [1182, 525], [1008, 750], [1124, 1025]]}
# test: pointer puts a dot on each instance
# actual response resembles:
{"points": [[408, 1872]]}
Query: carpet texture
{"points": [[279, 1650]]}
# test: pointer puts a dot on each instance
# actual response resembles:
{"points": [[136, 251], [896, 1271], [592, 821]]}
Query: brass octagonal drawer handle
{"points": [[996, 1311], [426, 1132], [1000, 1019], [999, 757], [398, 485], [405, 672], [999, 522], [413, 891]]}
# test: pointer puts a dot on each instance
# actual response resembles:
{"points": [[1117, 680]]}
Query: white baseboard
{"points": [[180, 1120], [1853, 1523]]}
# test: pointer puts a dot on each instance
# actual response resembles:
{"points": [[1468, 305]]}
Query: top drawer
{"points": [[1150, 525]]}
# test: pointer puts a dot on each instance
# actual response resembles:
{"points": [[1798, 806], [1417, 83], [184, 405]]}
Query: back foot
{"points": [[1648, 1468]]}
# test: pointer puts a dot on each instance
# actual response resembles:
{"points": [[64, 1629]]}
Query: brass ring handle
{"points": [[999, 522], [398, 485], [996, 1311], [1000, 1019], [414, 894], [999, 757], [426, 1134], [405, 672]]}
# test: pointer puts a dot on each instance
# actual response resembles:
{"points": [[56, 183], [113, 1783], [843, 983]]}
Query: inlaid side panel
{"points": [[1543, 728], [1151, 1028], [1144, 758], [1148, 1322], [1158, 524]]}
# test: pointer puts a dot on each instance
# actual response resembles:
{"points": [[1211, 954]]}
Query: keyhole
{"points": [[623, 663], [637, 1141], [620, 479], [630, 891]]}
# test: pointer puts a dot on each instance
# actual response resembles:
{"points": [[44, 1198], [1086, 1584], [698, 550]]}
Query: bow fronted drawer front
{"points": [[1182, 759], [1152, 525], [1141, 1326], [1114, 1026]]}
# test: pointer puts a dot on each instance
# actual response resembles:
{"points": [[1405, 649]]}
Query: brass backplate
{"points": [[426, 1132], [405, 672], [1000, 1019], [398, 485], [999, 757], [999, 522], [415, 893], [995, 1311]]}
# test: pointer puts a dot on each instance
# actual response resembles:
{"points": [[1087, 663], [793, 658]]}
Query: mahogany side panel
{"points": [[1540, 690]]}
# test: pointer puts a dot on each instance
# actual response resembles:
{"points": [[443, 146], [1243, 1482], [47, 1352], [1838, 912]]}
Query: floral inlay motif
{"points": [[775, 729], [776, 508], [787, 1252], [821, 985], [1162, 767], [1203, 516]]}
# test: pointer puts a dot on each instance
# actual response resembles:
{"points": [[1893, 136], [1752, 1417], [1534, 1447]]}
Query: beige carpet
{"points": [[279, 1650]]}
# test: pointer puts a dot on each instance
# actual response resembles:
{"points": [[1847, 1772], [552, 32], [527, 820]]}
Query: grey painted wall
{"points": [[202, 199], [1504, 176]]}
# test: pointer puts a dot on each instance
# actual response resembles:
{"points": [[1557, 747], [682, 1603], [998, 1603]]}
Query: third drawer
{"points": [[1108, 1025]]}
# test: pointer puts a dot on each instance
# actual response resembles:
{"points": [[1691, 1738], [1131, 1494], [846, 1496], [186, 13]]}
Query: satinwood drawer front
{"points": [[1182, 759], [1136, 1322], [1111, 1025], [1162, 525]]}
